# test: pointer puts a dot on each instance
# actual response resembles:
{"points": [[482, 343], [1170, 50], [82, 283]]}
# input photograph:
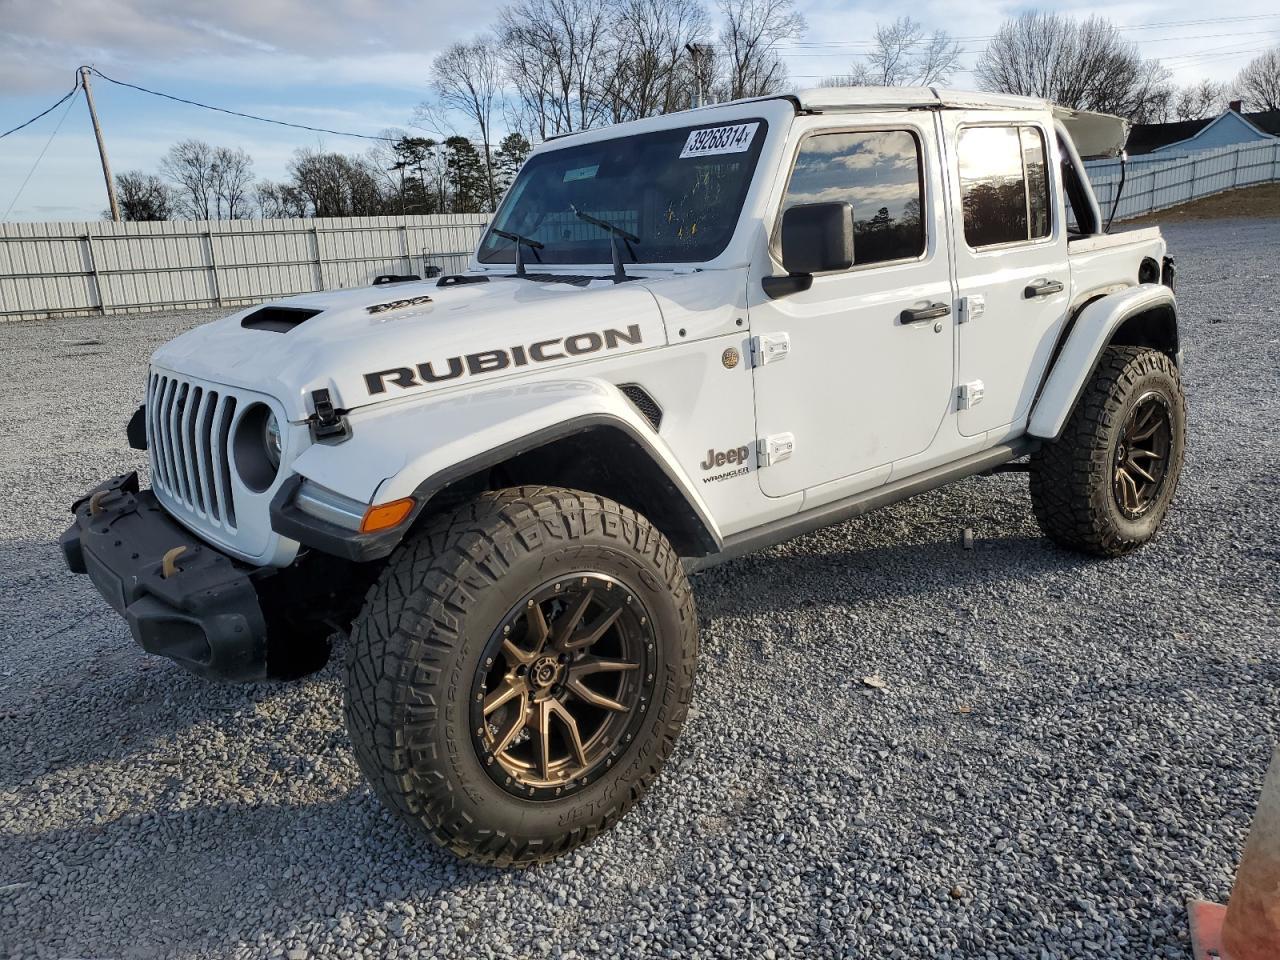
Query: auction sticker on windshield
{"points": [[734, 138]]}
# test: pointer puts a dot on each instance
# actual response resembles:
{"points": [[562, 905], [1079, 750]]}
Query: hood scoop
{"points": [[278, 319]]}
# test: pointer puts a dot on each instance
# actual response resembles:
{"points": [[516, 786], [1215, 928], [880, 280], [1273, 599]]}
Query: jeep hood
{"points": [[371, 344]]}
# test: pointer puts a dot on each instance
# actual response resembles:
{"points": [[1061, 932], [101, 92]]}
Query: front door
{"points": [[868, 377], [1010, 247]]}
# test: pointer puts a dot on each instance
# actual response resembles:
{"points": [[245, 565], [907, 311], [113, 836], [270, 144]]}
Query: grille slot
{"points": [[640, 398], [188, 427]]}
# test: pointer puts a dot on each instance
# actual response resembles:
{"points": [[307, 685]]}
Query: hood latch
{"points": [[328, 424]]}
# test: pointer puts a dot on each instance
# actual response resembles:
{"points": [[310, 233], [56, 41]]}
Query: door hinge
{"points": [[775, 448], [769, 348], [970, 394], [972, 307]]}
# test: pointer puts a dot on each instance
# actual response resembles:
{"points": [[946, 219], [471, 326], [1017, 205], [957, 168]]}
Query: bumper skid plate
{"points": [[204, 613]]}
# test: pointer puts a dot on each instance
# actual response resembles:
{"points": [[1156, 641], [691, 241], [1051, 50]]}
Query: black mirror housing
{"points": [[817, 237]]}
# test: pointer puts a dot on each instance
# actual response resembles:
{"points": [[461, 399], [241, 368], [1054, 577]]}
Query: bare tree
{"points": [[1079, 63], [232, 183], [336, 185], [1258, 84], [652, 69], [210, 183], [904, 56], [1198, 101], [751, 27], [189, 166], [558, 54], [143, 196], [467, 77], [278, 201]]}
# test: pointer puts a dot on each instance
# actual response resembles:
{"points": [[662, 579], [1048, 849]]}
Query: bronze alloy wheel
{"points": [[1142, 455], [563, 686]]}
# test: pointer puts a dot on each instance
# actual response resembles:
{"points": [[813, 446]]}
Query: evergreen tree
{"points": [[467, 174], [510, 155]]}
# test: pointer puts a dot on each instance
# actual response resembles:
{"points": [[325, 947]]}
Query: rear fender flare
{"points": [[1094, 328]]}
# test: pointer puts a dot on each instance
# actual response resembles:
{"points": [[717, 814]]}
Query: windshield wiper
{"points": [[520, 241], [619, 274]]}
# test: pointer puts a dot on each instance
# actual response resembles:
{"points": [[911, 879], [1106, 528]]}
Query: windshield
{"points": [[678, 191]]}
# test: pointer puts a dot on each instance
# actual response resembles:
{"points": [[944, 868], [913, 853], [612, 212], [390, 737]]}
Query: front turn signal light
{"points": [[384, 516]]}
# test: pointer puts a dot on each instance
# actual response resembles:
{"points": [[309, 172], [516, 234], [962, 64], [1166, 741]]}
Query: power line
{"points": [[981, 37], [237, 113], [70, 93], [965, 49], [18, 195]]}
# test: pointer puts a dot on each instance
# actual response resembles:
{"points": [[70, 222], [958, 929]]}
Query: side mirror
{"points": [[816, 238]]}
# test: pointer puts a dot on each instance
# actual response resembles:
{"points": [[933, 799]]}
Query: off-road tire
{"points": [[416, 647], [1072, 477]]}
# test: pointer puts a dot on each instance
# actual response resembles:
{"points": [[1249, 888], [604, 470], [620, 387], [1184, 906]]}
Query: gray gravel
{"points": [[1064, 752]]}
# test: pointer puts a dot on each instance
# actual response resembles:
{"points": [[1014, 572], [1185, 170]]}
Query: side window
{"points": [[1004, 185], [880, 173]]}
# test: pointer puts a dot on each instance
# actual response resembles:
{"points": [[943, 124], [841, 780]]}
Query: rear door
{"points": [[1010, 253], [860, 386]]}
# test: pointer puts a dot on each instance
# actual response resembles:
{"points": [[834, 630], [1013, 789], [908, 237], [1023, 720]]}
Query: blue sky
{"points": [[362, 65]]}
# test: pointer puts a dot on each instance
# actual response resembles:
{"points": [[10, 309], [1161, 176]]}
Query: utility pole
{"points": [[102, 147], [697, 52]]}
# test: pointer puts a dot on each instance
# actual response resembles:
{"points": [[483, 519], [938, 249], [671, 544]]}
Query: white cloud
{"points": [[288, 42]]}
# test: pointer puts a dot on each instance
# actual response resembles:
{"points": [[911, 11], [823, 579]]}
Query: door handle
{"points": [[931, 312], [1041, 288]]}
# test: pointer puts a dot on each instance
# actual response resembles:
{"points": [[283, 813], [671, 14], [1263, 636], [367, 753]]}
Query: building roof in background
{"points": [[1146, 137]]}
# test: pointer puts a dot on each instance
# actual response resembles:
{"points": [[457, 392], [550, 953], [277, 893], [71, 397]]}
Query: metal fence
{"points": [[1154, 182], [69, 269]]}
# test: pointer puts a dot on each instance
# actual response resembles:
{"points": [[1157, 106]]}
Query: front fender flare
{"points": [[1093, 330], [419, 449]]}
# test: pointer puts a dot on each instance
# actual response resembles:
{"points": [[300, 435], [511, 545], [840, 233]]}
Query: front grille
{"points": [[188, 433]]}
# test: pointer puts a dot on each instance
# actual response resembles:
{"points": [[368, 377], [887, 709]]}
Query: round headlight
{"points": [[271, 440], [257, 446]]}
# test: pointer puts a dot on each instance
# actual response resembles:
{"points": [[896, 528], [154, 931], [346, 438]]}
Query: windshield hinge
{"points": [[328, 423]]}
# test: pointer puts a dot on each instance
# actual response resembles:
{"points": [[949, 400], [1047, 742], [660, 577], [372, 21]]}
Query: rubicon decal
{"points": [[488, 361]]}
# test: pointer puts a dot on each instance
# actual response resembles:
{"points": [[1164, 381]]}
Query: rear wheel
{"points": [[1105, 485], [520, 672]]}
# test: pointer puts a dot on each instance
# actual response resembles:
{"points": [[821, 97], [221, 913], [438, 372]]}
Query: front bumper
{"points": [[205, 615]]}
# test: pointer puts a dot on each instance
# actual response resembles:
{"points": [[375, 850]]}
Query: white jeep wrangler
{"points": [[680, 339]]}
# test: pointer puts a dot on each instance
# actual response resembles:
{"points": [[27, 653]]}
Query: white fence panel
{"points": [[1154, 182], [68, 269]]}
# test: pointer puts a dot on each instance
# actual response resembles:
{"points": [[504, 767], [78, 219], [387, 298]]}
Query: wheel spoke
{"points": [[1128, 488], [583, 692], [511, 687], [541, 732], [1145, 434], [1131, 465], [1147, 415], [593, 632], [517, 656], [589, 665], [508, 733], [568, 622], [571, 727], [538, 631]]}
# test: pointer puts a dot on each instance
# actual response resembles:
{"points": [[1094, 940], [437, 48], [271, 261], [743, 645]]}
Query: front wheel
{"points": [[520, 672], [1104, 486]]}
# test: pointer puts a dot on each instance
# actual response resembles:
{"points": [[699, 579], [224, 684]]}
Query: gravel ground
{"points": [[1065, 751]]}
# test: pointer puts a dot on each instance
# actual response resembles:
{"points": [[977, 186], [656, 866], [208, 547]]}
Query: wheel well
{"points": [[1156, 328], [600, 459]]}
